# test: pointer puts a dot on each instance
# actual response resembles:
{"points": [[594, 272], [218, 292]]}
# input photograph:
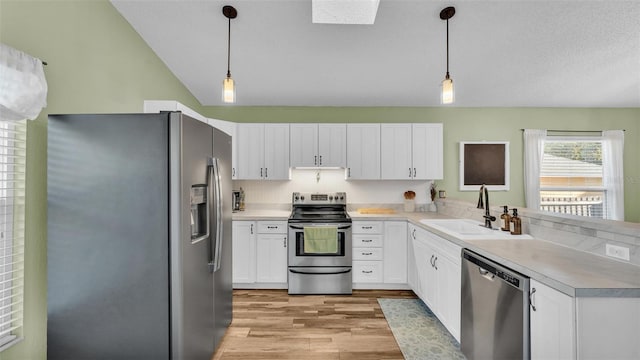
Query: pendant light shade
{"points": [[447, 84], [228, 85], [228, 90], [447, 90]]}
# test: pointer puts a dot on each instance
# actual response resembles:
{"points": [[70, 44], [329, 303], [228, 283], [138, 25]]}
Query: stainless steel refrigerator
{"points": [[139, 237]]}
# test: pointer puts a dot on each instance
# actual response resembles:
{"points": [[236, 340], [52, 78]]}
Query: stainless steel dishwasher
{"points": [[495, 310]]}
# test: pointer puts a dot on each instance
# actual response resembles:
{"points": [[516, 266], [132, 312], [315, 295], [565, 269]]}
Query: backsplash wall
{"points": [[331, 180]]}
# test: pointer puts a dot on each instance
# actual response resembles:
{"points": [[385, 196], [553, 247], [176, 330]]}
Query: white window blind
{"points": [[571, 177], [12, 225]]}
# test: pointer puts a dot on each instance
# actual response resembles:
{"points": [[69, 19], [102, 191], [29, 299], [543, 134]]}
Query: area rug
{"points": [[418, 332]]}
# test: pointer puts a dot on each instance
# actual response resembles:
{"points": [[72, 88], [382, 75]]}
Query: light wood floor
{"points": [[269, 324]]}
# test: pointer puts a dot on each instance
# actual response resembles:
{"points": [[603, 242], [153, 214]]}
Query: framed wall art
{"points": [[484, 162]]}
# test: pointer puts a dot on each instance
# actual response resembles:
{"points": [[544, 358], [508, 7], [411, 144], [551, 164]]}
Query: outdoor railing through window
{"points": [[592, 205]]}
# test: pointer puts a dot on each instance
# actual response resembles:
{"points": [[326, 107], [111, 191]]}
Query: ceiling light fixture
{"points": [[228, 85], [447, 84]]}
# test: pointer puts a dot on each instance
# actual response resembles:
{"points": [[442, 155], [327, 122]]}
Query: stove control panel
{"points": [[319, 198]]}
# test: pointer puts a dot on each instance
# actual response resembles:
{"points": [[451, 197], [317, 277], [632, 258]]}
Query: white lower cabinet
{"points": [[367, 251], [564, 327], [244, 252], [379, 254], [552, 323], [395, 252], [437, 263], [271, 258], [259, 254]]}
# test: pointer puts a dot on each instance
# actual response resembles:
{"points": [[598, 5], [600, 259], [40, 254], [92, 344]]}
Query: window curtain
{"points": [[613, 174], [23, 87], [533, 152]]}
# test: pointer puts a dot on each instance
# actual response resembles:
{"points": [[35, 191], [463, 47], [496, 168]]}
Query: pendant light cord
{"points": [[447, 75], [229, 51]]}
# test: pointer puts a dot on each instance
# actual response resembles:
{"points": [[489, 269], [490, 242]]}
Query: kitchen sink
{"points": [[467, 229]]}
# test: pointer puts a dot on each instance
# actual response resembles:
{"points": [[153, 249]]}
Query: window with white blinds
{"points": [[12, 224], [571, 177]]}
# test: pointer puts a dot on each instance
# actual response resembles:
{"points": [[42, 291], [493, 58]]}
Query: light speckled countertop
{"points": [[575, 273]]}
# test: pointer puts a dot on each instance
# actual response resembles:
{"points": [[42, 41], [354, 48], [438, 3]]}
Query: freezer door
{"points": [[108, 236], [192, 332]]}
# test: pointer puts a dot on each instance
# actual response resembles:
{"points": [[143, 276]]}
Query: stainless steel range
{"points": [[319, 244]]}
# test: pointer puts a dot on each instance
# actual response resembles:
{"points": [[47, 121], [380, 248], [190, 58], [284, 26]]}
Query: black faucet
{"points": [[487, 216]]}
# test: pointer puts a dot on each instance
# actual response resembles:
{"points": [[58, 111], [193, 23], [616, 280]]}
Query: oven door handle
{"points": [[346, 270], [302, 227]]}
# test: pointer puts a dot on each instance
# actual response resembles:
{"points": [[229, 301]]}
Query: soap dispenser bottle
{"points": [[517, 223], [505, 219]]}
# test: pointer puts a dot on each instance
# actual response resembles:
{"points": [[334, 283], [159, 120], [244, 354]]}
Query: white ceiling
{"points": [[502, 53]]}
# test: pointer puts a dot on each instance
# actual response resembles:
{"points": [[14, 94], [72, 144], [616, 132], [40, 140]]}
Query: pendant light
{"points": [[228, 85], [447, 84]]}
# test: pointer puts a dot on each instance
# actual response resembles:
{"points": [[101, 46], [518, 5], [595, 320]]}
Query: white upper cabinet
{"points": [[332, 145], [304, 145], [427, 152], [396, 152], [411, 151], [263, 152], [363, 152], [318, 145]]}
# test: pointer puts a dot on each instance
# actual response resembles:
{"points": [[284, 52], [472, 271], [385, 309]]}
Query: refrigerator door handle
{"points": [[214, 264]]}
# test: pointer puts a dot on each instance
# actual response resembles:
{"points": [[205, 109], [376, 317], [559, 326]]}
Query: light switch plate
{"points": [[619, 252]]}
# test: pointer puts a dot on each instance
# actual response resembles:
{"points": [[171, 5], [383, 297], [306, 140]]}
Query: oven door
{"points": [[299, 257]]}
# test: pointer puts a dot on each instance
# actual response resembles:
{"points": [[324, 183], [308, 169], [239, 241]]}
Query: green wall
{"points": [[475, 124], [97, 63]]}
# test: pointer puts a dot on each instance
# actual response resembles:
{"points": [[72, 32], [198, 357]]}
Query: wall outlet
{"points": [[619, 252]]}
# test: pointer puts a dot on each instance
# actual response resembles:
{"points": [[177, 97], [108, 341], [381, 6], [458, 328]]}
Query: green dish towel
{"points": [[321, 240]]}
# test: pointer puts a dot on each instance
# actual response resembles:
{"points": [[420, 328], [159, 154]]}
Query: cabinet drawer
{"points": [[367, 271], [272, 227], [367, 240], [367, 227], [367, 254]]}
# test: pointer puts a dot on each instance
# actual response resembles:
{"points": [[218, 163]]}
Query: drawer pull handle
{"points": [[367, 271], [367, 240], [367, 253], [367, 227], [272, 227]]}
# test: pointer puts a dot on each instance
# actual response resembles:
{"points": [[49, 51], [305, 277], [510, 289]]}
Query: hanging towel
{"points": [[321, 240]]}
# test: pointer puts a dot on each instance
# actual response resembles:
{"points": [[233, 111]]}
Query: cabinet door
{"points": [[363, 151], [422, 254], [244, 252], [332, 145], [250, 151], [271, 258], [552, 323], [412, 272], [303, 145], [276, 152], [427, 153], [448, 293], [395, 252], [395, 152]]}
